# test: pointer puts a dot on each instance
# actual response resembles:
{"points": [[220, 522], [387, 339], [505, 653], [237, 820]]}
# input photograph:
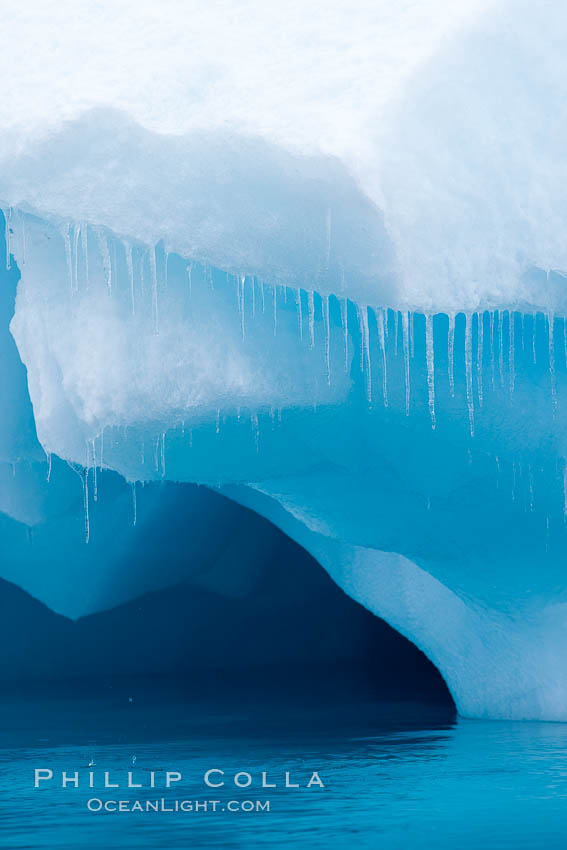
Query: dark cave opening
{"points": [[292, 631]]}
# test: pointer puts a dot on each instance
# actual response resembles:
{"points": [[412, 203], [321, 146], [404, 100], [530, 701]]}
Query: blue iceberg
{"points": [[362, 340]]}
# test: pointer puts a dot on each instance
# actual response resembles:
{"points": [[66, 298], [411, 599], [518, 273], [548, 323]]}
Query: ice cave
{"points": [[354, 329]]}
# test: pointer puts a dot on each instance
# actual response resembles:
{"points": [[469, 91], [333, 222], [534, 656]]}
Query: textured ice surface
{"points": [[452, 122], [343, 306]]}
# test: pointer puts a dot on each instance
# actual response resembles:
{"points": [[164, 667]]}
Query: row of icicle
{"points": [[492, 331], [76, 241], [518, 472]]}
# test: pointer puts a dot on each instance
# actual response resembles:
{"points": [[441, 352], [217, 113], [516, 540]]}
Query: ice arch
{"points": [[369, 345], [318, 413], [253, 618], [498, 664]]}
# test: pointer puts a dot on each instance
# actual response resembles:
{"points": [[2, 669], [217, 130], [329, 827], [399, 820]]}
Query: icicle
{"points": [[451, 354], [105, 254], [311, 309], [217, 421], [492, 354], [134, 504], [366, 349], [534, 330], [95, 477], [275, 297], [85, 246], [7, 219], [511, 351], [262, 295], [242, 299], [405, 347], [325, 302], [361, 334], [552, 373], [153, 270], [113, 262], [430, 359], [468, 371], [253, 286], [500, 348], [412, 335], [163, 454], [397, 318], [299, 312], [48, 467], [75, 255], [130, 268], [83, 473], [190, 278], [255, 429], [344, 323], [23, 237], [480, 356], [237, 280], [86, 495], [156, 454], [381, 320], [91, 446], [65, 231]]}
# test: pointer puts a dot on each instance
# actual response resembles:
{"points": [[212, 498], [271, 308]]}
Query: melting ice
{"points": [[359, 333]]}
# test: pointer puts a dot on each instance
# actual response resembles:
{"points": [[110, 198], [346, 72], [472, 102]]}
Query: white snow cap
{"points": [[427, 139]]}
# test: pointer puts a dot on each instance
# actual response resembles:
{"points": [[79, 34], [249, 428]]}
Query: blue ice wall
{"points": [[418, 457]]}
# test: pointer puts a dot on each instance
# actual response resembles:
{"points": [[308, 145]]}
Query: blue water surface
{"points": [[398, 773]]}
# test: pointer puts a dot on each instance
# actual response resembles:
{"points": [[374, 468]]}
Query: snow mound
{"points": [[407, 156]]}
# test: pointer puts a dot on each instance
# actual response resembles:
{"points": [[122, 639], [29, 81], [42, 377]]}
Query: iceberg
{"points": [[351, 321]]}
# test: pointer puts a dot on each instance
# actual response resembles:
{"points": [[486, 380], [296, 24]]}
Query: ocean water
{"points": [[398, 772]]}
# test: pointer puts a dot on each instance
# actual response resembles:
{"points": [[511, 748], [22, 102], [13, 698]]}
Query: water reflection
{"points": [[397, 773]]}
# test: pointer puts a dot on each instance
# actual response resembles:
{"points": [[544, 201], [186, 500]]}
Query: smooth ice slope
{"points": [[327, 281]]}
